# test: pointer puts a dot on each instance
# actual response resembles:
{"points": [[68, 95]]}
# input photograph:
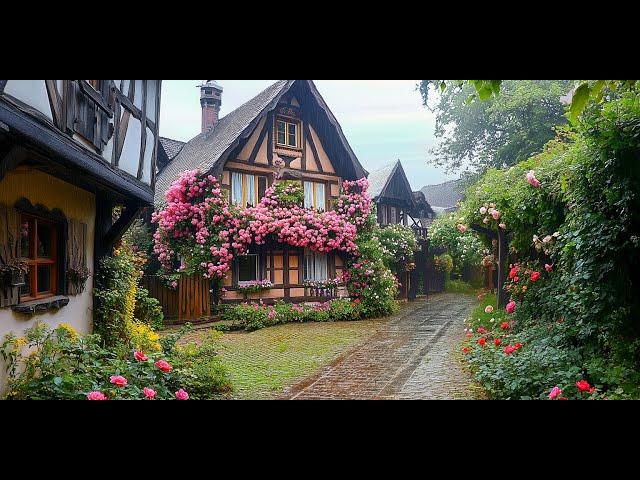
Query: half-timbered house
{"points": [[291, 123], [396, 204], [70, 151]]}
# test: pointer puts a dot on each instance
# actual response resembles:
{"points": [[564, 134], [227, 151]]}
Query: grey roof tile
{"points": [[444, 196], [171, 147]]}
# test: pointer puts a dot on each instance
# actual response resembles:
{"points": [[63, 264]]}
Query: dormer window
{"points": [[287, 133]]}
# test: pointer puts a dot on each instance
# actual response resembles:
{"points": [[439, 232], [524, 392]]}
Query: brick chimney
{"points": [[210, 101]]}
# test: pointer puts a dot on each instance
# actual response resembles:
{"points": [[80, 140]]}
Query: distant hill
{"points": [[444, 196]]}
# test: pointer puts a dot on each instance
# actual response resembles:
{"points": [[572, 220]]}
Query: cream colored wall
{"points": [[40, 188]]}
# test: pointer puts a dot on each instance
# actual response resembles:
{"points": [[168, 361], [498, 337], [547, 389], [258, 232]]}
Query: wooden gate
{"points": [[190, 301]]}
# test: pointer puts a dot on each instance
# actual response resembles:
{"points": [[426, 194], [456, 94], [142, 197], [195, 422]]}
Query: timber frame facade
{"points": [[70, 151], [287, 130]]}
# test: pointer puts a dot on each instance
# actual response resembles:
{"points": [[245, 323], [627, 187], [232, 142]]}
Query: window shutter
{"points": [[9, 247], [85, 117], [76, 254]]}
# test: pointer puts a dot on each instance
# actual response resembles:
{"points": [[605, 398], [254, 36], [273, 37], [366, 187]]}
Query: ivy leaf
{"points": [[442, 86], [579, 101]]}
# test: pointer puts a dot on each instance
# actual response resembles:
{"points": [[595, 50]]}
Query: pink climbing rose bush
{"points": [[200, 230]]}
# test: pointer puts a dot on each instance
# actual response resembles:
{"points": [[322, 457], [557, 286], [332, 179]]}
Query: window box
{"points": [[42, 305]]}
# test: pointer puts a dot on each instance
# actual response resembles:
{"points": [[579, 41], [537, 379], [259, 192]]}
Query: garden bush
{"points": [[60, 364], [573, 215], [254, 316]]}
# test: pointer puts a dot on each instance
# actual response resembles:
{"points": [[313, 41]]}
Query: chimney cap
{"points": [[212, 84]]}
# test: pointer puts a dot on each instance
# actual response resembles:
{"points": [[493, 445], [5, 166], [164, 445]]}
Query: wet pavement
{"points": [[413, 356]]}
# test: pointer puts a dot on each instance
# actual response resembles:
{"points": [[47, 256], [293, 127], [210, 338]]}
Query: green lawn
{"points": [[262, 363]]}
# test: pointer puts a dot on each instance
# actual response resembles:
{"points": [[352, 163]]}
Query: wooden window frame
{"points": [[315, 182], [314, 255], [256, 187], [33, 261], [237, 269], [288, 121]]}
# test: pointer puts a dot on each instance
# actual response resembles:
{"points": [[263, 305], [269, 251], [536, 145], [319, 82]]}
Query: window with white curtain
{"points": [[314, 195], [315, 266], [247, 189]]}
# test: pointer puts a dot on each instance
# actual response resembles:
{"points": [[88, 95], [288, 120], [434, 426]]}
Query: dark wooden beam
{"points": [[313, 147], [109, 238], [10, 158], [269, 125], [2, 84], [256, 148]]}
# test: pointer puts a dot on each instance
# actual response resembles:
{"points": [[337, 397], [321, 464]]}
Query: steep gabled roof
{"points": [[171, 147], [390, 182], [209, 151], [444, 196]]}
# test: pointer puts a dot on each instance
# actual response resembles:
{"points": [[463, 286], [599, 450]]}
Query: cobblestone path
{"points": [[413, 356]]}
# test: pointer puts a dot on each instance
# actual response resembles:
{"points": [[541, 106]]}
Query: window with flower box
{"points": [[315, 266], [247, 268]]}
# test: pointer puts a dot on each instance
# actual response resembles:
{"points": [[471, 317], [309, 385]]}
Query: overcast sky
{"points": [[383, 120]]}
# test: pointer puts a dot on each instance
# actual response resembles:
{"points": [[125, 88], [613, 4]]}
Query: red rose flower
{"points": [[518, 346], [497, 342], [513, 272], [504, 325], [141, 357], [535, 276], [466, 350], [509, 349], [163, 365], [516, 279], [583, 385], [482, 330], [482, 342]]}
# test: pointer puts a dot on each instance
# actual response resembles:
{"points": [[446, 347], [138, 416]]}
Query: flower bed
{"points": [[60, 364], [253, 316]]}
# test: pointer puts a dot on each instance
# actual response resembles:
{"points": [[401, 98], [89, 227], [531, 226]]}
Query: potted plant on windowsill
{"points": [[13, 274]]}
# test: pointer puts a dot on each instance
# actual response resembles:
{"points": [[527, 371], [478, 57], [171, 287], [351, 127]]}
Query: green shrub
{"points": [[254, 316], [578, 321], [59, 364], [148, 309]]}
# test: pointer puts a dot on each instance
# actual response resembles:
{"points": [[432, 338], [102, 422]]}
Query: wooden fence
{"points": [[191, 301]]}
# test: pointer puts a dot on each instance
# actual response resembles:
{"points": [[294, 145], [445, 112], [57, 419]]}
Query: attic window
{"points": [[287, 132]]}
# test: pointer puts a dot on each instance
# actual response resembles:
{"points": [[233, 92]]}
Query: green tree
{"points": [[499, 131]]}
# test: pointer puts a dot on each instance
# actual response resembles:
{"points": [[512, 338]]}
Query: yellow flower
{"points": [[19, 343], [72, 332]]}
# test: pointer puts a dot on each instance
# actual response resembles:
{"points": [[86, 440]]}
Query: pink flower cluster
{"points": [[200, 227]]}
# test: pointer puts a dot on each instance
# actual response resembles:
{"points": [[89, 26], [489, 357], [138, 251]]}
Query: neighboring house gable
{"points": [[443, 197], [390, 189]]}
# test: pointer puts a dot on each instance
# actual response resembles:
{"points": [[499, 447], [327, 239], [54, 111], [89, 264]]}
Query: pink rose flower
{"points": [[483, 210], [462, 228], [96, 396], [149, 393], [535, 276], [488, 309], [533, 181], [182, 395], [163, 365], [141, 357], [511, 307], [548, 267], [495, 214], [555, 392], [118, 380], [503, 226]]}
